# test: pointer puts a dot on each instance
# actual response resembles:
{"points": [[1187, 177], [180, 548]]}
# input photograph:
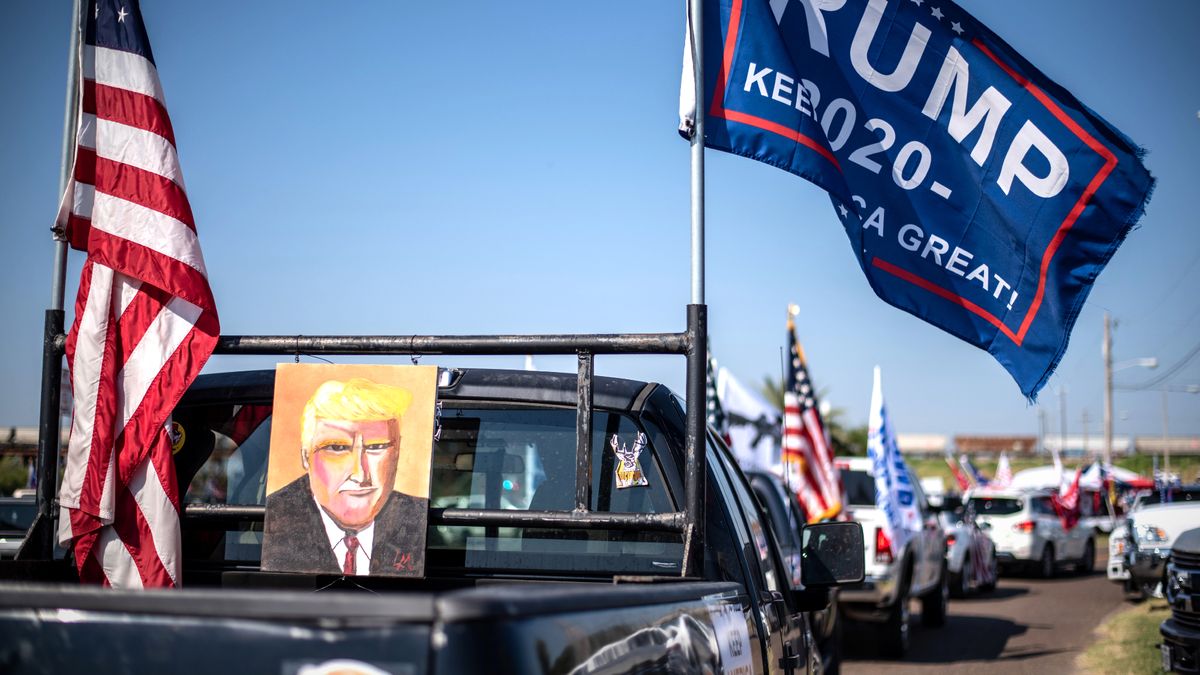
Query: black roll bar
{"points": [[691, 344]]}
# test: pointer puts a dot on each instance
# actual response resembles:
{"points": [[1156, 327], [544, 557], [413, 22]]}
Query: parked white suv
{"points": [[919, 571], [1150, 533], [1028, 532]]}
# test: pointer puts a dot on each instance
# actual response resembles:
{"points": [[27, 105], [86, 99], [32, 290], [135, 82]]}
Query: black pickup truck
{"points": [[558, 598]]}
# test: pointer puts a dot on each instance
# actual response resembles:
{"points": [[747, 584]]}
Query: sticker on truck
{"points": [[733, 637]]}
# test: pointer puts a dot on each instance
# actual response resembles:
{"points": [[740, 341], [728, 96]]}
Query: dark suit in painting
{"points": [[295, 541]]}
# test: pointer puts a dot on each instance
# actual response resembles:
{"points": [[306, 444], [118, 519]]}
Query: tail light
{"points": [[1025, 527], [883, 547], [950, 539]]}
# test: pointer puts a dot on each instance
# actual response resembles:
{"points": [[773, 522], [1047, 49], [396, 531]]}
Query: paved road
{"points": [[1025, 626]]}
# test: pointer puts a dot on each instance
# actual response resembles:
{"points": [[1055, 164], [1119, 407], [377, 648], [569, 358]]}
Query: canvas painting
{"points": [[348, 471]]}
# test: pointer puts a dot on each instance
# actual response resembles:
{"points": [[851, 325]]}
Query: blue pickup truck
{"points": [[563, 597]]}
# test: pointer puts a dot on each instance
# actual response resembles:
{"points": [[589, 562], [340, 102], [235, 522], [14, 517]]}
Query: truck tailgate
{"points": [[53, 629], [495, 628]]}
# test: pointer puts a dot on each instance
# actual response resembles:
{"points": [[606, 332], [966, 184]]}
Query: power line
{"points": [[1162, 377]]}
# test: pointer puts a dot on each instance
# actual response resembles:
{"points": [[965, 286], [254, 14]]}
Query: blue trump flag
{"points": [[977, 194]]}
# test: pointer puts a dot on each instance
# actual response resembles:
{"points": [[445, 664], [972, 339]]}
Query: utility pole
{"points": [[1041, 442], [1108, 390], [1062, 417], [1166, 440], [1085, 433]]}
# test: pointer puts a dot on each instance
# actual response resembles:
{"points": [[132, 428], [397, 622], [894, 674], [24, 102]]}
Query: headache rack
{"points": [[691, 343]]}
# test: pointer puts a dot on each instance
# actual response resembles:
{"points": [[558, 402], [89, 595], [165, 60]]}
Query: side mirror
{"points": [[832, 555]]}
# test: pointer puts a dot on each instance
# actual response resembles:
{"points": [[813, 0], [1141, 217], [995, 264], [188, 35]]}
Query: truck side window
{"points": [[757, 528]]}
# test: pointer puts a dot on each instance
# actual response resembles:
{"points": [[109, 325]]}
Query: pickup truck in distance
{"points": [[918, 570], [562, 598]]}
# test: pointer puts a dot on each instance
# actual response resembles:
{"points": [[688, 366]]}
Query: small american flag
{"points": [[145, 320], [1004, 474], [714, 411], [807, 455]]}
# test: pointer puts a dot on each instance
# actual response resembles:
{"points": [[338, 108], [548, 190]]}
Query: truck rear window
{"points": [[859, 486], [486, 457], [996, 506], [524, 459]]}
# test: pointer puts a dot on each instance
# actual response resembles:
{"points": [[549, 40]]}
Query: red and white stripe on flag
{"points": [[145, 319], [817, 482]]}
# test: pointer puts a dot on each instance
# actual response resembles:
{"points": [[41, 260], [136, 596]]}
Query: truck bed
{"points": [[579, 627]]}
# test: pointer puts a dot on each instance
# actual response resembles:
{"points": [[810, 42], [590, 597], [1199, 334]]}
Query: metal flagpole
{"points": [[40, 542], [696, 21], [697, 317]]}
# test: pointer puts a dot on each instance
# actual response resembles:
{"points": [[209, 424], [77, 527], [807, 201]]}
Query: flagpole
{"points": [[70, 122], [696, 23], [40, 541], [697, 318]]}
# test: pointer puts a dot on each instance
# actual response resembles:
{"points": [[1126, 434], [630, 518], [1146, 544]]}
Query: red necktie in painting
{"points": [[351, 554]]}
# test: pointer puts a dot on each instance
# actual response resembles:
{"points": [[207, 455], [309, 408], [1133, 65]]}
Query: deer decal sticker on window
{"points": [[629, 469]]}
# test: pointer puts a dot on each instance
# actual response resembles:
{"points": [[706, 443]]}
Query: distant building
{"points": [[994, 445], [1091, 445], [922, 444], [1178, 445], [19, 441]]}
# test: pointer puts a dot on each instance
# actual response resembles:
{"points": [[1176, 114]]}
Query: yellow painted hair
{"points": [[355, 400]]}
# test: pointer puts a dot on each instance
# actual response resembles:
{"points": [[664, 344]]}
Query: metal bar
{"points": [[643, 343], [41, 535], [583, 434], [695, 464], [696, 21], [592, 520], [661, 522]]}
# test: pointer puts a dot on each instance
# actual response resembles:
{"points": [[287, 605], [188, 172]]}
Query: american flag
{"points": [[964, 483], [145, 320], [973, 473], [714, 411], [1066, 502], [1004, 473], [807, 455]]}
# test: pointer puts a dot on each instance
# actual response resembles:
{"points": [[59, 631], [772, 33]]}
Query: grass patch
{"points": [[1128, 642]]}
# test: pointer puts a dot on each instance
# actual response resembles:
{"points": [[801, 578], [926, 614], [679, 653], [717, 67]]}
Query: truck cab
{"points": [[495, 598]]}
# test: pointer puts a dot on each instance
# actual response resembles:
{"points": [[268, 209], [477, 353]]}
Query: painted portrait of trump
{"points": [[348, 474]]}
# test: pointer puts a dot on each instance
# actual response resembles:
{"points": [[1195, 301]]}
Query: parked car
{"points": [[892, 581], [970, 552], [1150, 533], [528, 595], [1028, 532], [787, 522], [1181, 632], [16, 515], [1118, 541]]}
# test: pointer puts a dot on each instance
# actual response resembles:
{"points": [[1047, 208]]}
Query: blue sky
{"points": [[479, 167]]}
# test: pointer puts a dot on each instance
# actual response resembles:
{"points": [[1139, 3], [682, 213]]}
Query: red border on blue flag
{"points": [[719, 110]]}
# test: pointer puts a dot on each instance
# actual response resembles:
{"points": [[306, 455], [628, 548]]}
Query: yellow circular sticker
{"points": [[178, 436]]}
